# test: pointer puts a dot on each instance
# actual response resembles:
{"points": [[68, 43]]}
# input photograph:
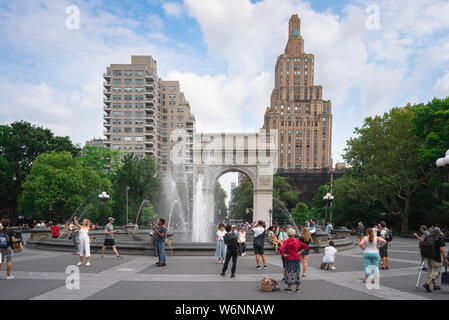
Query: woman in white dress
{"points": [[84, 240], [220, 251]]}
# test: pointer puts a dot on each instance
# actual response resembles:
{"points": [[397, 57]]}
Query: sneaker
{"points": [[297, 291], [9, 277], [288, 290], [161, 264], [427, 287], [88, 264], [265, 267], [333, 268], [258, 268], [232, 275], [436, 288], [303, 275], [222, 274], [79, 263]]}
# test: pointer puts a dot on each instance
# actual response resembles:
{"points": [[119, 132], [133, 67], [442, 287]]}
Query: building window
{"points": [[128, 81], [128, 72], [139, 138], [127, 139], [117, 81], [139, 72], [128, 130], [117, 72]]}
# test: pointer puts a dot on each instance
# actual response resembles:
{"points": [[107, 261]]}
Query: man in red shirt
{"points": [[54, 231]]}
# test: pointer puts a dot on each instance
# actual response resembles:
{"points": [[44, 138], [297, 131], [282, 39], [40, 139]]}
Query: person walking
{"points": [[259, 243], [305, 237], [424, 235], [109, 238], [7, 238], [370, 246], [383, 252], [220, 251], [432, 249], [360, 231], [84, 240], [161, 235], [232, 251], [291, 250], [242, 241]]}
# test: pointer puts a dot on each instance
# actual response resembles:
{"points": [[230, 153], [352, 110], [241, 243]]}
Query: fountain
{"points": [[282, 216]]}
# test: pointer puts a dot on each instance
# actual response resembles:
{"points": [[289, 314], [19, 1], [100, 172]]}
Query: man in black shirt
{"points": [[232, 251], [434, 262]]}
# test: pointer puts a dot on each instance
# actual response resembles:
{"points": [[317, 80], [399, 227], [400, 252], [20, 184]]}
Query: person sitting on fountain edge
{"points": [[160, 233]]}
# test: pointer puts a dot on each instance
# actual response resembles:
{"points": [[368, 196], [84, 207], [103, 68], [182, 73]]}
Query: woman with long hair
{"points": [[84, 240], [305, 237], [311, 226], [370, 246], [273, 239], [220, 251]]}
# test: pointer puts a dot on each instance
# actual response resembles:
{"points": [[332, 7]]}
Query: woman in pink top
{"points": [[291, 250]]}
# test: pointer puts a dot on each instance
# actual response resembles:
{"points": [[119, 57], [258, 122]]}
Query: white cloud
{"points": [[442, 86], [173, 9]]}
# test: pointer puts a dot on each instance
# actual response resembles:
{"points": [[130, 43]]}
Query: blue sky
{"points": [[223, 53]]}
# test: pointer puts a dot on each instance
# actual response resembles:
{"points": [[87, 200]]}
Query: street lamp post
{"points": [[127, 189], [270, 212], [441, 162], [328, 198], [103, 196]]}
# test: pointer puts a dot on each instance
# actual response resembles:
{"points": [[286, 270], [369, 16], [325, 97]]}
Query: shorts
{"points": [[258, 250], [383, 252], [5, 253], [109, 242], [433, 269], [306, 252]]}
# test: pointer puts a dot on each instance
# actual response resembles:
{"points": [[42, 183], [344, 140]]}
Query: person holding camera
{"points": [[160, 232], [259, 242]]}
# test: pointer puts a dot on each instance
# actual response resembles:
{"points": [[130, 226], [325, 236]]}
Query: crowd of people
{"points": [[290, 242]]}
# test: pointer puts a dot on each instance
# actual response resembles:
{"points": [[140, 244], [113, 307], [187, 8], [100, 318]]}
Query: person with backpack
{"points": [[383, 252], [259, 242], [432, 249], [232, 251], [291, 250], [7, 238]]}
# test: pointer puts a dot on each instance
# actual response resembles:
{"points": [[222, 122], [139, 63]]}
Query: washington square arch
{"points": [[215, 154]]}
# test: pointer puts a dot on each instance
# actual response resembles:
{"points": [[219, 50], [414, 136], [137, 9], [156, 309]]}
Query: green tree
{"points": [[242, 198], [20, 144], [283, 191], [142, 178], [57, 185], [386, 154], [102, 160], [219, 200]]}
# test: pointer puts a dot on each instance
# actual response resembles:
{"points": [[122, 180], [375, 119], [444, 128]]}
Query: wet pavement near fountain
{"points": [[42, 275]]}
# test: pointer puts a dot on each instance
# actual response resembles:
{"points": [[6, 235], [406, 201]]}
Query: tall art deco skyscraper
{"points": [[303, 119]]}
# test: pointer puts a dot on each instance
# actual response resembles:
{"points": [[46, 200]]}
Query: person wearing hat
{"points": [[109, 237], [434, 262], [234, 231]]}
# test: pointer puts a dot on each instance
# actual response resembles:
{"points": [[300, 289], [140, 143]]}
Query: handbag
{"points": [[17, 247], [445, 277]]}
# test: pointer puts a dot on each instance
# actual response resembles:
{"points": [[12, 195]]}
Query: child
{"points": [[232, 251], [329, 256]]}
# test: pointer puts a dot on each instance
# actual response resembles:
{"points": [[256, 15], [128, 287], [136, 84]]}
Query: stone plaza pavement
{"points": [[42, 275]]}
